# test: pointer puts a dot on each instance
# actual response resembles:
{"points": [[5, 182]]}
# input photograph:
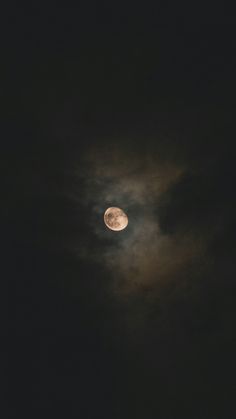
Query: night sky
{"points": [[131, 106]]}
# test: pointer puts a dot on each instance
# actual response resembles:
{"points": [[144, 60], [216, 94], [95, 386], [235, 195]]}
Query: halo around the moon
{"points": [[115, 219]]}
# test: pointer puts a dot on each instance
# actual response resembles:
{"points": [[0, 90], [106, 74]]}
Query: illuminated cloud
{"points": [[144, 255]]}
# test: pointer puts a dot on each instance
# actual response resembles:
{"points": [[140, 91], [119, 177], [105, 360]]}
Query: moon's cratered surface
{"points": [[115, 219]]}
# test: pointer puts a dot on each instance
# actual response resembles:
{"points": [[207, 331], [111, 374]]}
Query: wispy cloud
{"points": [[142, 255]]}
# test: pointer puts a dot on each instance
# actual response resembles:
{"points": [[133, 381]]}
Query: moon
{"points": [[115, 219]]}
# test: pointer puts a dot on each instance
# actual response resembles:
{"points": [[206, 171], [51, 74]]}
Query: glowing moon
{"points": [[115, 219]]}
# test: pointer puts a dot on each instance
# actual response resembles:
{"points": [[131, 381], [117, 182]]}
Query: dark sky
{"points": [[133, 106]]}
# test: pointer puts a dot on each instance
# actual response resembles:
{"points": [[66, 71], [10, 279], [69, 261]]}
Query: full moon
{"points": [[115, 219]]}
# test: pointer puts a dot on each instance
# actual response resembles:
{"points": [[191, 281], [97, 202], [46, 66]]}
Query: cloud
{"points": [[145, 254]]}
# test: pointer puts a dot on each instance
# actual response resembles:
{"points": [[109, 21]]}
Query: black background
{"points": [[73, 76]]}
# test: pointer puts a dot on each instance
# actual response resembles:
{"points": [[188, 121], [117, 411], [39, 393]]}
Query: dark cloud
{"points": [[159, 193], [138, 324], [168, 275]]}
